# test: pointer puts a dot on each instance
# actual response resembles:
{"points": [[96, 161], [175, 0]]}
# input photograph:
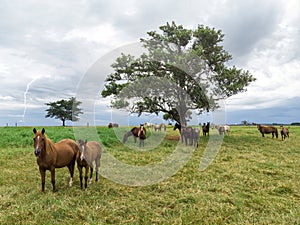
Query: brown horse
{"points": [[50, 156], [284, 132], [267, 130], [136, 133], [112, 125], [88, 153]]}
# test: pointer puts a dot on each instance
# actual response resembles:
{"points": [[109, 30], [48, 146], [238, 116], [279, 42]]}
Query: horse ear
{"points": [[43, 130], [34, 130]]}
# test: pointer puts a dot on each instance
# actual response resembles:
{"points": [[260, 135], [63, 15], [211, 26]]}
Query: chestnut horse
{"points": [[88, 153], [50, 156], [284, 132], [268, 130]]}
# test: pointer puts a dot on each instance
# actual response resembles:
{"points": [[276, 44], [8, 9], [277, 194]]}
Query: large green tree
{"points": [[182, 70], [64, 110]]}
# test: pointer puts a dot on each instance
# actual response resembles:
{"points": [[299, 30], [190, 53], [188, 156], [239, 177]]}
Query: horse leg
{"points": [[71, 170], [97, 168], [141, 142], [53, 178], [80, 175], [91, 174], [43, 175], [86, 175]]}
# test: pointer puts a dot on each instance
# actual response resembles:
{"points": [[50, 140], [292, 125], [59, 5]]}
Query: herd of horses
{"points": [[66, 152]]}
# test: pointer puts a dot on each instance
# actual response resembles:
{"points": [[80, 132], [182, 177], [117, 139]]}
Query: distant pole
{"points": [[87, 124], [16, 124]]}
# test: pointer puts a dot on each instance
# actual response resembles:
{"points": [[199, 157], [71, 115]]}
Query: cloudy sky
{"points": [[47, 47]]}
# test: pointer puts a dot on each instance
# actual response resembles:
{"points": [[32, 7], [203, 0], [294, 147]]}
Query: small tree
{"points": [[64, 110]]}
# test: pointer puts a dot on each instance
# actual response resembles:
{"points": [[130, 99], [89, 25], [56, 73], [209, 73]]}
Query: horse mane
{"points": [[49, 144]]}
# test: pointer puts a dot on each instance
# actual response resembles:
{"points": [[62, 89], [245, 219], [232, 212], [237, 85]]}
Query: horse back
{"points": [[94, 148], [66, 151]]}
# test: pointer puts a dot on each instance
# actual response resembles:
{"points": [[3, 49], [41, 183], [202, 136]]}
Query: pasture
{"points": [[253, 180]]}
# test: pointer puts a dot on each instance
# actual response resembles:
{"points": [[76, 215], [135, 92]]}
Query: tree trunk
{"points": [[63, 120]]}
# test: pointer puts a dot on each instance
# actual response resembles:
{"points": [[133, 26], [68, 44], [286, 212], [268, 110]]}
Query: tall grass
{"points": [[253, 180]]}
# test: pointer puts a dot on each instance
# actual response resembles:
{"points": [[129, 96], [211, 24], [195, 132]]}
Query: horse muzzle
{"points": [[37, 152]]}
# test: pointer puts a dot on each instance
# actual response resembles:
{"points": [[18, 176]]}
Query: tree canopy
{"points": [[182, 70], [64, 110]]}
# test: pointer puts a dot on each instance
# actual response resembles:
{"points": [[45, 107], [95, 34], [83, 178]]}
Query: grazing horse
{"points": [[148, 125], [284, 132], [157, 127], [50, 156], [164, 126], [136, 132], [267, 130], [111, 125], [205, 129], [88, 153], [196, 136], [223, 129]]}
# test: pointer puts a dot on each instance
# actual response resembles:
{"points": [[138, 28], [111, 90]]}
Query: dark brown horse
{"points": [[112, 125], [284, 132], [136, 132], [88, 153], [205, 129], [50, 156], [267, 130]]}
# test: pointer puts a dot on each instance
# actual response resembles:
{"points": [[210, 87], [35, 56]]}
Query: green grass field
{"points": [[252, 180]]}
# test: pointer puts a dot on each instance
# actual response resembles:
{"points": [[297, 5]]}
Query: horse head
{"points": [[177, 126], [82, 147], [39, 141]]}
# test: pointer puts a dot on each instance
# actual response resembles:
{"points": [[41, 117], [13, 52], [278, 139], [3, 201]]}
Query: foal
{"points": [[88, 153]]}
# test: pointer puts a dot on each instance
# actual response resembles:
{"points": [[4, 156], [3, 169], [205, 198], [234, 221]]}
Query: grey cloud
{"points": [[246, 23]]}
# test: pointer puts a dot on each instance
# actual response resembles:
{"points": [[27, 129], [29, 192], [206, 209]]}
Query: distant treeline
{"points": [[271, 124]]}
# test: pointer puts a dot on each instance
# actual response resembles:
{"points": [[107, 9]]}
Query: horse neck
{"points": [[49, 145]]}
